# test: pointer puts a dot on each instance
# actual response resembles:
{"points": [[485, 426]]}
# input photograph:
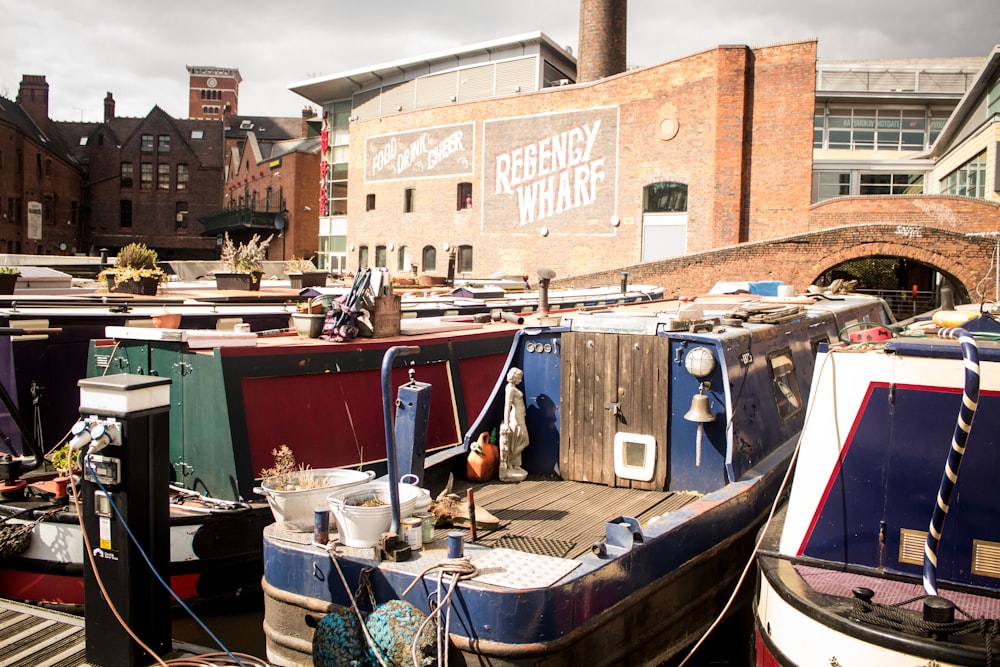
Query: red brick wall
{"points": [[938, 231], [739, 112]]}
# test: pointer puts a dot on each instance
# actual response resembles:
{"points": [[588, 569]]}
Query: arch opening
{"points": [[909, 286]]}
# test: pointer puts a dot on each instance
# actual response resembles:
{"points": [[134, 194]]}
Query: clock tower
{"points": [[211, 89]]}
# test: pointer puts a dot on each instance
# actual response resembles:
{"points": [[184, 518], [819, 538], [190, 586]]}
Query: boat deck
{"points": [[560, 518], [36, 637]]}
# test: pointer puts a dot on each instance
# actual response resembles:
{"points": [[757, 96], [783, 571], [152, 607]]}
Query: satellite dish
{"points": [[280, 220]]}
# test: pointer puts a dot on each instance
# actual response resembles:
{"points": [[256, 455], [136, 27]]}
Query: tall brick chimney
{"points": [[308, 113], [602, 39], [33, 96], [109, 107]]}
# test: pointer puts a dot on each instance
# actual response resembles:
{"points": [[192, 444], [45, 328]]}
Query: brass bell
{"points": [[699, 410]]}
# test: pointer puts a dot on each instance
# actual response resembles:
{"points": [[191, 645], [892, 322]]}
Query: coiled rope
{"points": [[963, 425], [459, 569]]}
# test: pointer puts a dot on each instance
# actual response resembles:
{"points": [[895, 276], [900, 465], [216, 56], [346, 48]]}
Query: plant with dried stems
{"points": [[244, 257]]}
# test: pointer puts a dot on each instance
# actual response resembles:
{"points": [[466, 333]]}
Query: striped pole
{"points": [[963, 425]]}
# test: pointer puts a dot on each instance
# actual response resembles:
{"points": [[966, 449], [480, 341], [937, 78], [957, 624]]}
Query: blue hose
{"points": [[963, 425]]}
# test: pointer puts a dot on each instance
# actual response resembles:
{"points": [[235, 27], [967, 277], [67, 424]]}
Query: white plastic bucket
{"points": [[295, 507], [360, 526]]}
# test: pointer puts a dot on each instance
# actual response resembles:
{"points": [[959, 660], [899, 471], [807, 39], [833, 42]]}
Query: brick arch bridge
{"points": [[801, 259]]}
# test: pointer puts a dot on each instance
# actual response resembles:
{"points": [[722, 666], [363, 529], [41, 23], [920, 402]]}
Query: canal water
{"points": [[241, 631]]}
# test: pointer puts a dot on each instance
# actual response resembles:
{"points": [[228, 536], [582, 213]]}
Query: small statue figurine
{"points": [[513, 430]]}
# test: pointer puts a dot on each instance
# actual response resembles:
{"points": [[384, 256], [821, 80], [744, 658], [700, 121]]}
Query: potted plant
{"points": [[303, 273], [307, 321], [242, 263], [8, 279], [135, 271], [294, 491]]}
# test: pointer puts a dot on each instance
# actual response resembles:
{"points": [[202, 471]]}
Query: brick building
{"points": [[41, 182], [700, 153], [576, 177], [271, 169]]}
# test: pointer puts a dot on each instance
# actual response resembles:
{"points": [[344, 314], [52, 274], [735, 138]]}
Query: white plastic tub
{"points": [[294, 507], [360, 526]]}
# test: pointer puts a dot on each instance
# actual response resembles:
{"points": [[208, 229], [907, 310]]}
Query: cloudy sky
{"points": [[139, 49]]}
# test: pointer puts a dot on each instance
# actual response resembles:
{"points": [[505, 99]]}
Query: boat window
{"points": [[786, 387]]}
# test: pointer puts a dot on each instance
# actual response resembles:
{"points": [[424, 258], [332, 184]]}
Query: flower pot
{"points": [[7, 282], [294, 507], [166, 320], [145, 286], [239, 281], [308, 325], [361, 526], [307, 279]]}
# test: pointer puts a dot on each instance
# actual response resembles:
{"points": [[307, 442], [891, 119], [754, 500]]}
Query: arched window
{"points": [[363, 257], [404, 262], [464, 259], [428, 258], [380, 256], [665, 197]]}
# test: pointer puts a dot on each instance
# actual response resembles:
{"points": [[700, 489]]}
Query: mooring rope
{"points": [[963, 425], [895, 617], [459, 569]]}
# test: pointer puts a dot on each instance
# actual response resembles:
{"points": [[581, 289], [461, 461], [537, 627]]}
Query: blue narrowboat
{"points": [[656, 440]]}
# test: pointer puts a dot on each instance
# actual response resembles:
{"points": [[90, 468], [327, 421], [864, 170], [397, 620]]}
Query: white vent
{"points": [[246, 125], [911, 546], [986, 558]]}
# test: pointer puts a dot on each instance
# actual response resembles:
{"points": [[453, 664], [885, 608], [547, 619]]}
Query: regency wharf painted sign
{"points": [[429, 152], [556, 168]]}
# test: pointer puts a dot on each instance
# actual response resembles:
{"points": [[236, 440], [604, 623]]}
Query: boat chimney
{"points": [[545, 276]]}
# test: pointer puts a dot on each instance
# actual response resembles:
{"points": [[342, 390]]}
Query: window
{"points": [[969, 180], [146, 143], [127, 175], [830, 184], [464, 196], [197, 134], [892, 184], [125, 213], [785, 385], [48, 166], [363, 257], [48, 210], [183, 176], [878, 128], [146, 176], [464, 259], [408, 196], [163, 145], [180, 215], [18, 161], [404, 263], [665, 197], [162, 176], [380, 256], [74, 213], [428, 258], [370, 202]]}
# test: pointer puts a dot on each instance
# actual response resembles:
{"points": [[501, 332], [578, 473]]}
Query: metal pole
{"points": [[390, 435]]}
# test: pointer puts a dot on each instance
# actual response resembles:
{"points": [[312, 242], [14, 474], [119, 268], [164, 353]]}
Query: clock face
{"points": [[212, 83]]}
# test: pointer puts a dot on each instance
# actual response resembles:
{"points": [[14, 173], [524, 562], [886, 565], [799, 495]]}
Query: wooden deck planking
{"points": [[37, 637], [569, 513]]}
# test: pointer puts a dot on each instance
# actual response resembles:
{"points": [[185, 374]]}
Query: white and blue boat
{"points": [[658, 437], [887, 551]]}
